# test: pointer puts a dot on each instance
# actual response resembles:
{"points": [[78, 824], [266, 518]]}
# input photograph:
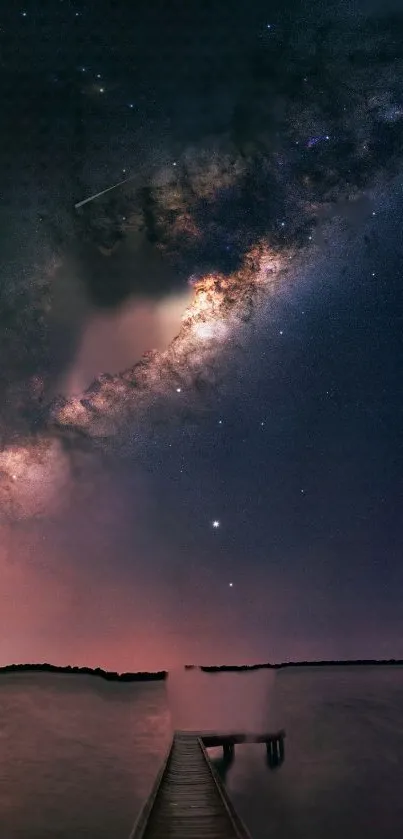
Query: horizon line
{"points": [[211, 667]]}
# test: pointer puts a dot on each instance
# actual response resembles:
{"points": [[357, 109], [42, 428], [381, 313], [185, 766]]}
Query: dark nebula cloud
{"points": [[314, 117], [133, 268]]}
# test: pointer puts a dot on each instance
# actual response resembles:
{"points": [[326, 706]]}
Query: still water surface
{"points": [[78, 755]]}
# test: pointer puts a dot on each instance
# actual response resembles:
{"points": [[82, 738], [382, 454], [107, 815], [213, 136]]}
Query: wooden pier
{"points": [[188, 799]]}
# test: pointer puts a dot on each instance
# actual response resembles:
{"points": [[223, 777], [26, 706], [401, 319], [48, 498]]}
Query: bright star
{"points": [[216, 523], [230, 584]]}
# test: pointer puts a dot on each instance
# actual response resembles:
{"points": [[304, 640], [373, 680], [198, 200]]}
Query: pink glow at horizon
{"points": [[71, 613]]}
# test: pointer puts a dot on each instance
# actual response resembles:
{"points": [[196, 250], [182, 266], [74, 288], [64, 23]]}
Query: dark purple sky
{"points": [[280, 416]]}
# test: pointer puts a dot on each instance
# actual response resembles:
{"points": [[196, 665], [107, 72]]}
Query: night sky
{"points": [[201, 403]]}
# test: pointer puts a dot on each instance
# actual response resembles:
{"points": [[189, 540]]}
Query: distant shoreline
{"points": [[236, 668], [162, 675], [108, 675]]}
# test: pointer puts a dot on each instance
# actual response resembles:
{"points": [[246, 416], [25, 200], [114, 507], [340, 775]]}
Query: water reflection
{"points": [[78, 755], [223, 702]]}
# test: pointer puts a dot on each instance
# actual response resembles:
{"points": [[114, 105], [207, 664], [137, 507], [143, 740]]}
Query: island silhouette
{"points": [[109, 675], [237, 668], [161, 675]]}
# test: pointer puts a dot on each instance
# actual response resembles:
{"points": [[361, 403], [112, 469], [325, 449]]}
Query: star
{"points": [[216, 524], [179, 390], [230, 585]]}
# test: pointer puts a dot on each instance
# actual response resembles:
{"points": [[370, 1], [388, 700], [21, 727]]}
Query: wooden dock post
{"points": [[228, 751], [275, 750]]}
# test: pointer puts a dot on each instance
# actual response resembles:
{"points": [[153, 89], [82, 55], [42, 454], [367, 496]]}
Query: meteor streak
{"points": [[98, 194]]}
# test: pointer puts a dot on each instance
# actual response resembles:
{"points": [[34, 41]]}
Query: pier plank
{"points": [[188, 800]]}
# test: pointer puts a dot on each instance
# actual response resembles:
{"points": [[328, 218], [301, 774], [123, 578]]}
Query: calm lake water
{"points": [[78, 755]]}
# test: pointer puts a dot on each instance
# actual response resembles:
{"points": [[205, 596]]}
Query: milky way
{"points": [[314, 120]]}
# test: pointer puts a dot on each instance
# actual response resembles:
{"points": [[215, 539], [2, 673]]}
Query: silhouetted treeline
{"points": [[109, 675], [268, 666]]}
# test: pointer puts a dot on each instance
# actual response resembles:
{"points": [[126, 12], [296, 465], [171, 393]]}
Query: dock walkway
{"points": [[188, 800]]}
